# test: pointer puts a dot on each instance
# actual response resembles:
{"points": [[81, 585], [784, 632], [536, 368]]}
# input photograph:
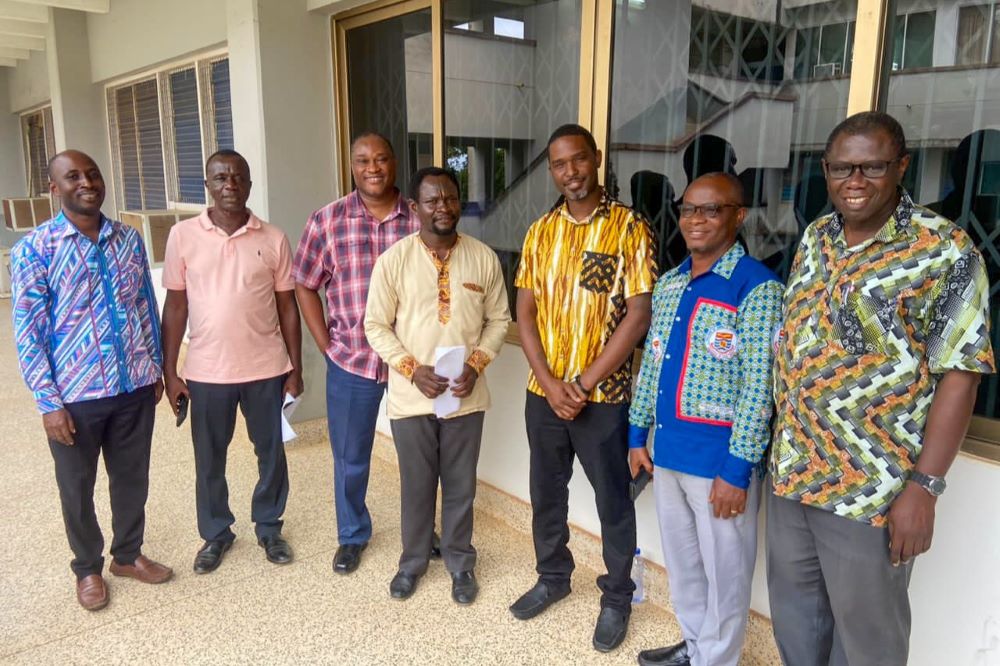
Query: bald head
{"points": [[70, 155], [76, 179], [725, 184]]}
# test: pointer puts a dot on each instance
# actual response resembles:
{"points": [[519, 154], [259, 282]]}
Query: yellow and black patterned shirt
{"points": [[582, 272], [867, 332]]}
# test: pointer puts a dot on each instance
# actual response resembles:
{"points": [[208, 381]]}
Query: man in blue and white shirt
{"points": [[88, 343], [705, 385]]}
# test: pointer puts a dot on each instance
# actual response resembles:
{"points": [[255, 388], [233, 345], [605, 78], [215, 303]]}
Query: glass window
{"points": [[503, 98], [913, 41], [950, 121], [389, 87], [187, 136], [674, 115]]}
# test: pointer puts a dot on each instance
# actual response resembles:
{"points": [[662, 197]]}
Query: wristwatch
{"points": [[935, 485]]}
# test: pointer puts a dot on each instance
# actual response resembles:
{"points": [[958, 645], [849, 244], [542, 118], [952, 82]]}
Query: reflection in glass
{"points": [[950, 119], [512, 71], [389, 86], [752, 89]]}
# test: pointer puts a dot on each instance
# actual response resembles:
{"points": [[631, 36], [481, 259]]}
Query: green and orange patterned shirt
{"points": [[867, 332], [582, 272]]}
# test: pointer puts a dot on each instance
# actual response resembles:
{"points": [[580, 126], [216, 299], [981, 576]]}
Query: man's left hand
{"points": [[293, 384], [465, 382], [158, 391], [727, 500], [911, 524]]}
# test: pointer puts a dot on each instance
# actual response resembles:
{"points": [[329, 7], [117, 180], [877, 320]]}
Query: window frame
{"points": [[45, 113], [201, 63]]}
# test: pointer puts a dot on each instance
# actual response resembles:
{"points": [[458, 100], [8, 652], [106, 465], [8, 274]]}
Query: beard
{"points": [[438, 231]]}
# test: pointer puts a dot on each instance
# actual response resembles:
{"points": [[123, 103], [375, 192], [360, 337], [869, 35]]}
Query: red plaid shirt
{"points": [[338, 249]]}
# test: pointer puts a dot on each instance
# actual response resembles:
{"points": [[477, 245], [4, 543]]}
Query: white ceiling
{"points": [[23, 24]]}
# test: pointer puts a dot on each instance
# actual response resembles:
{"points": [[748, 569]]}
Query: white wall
{"points": [[27, 84], [137, 34], [12, 178]]}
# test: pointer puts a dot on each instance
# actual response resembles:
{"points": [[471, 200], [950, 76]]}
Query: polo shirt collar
{"points": [[206, 221], [899, 223], [723, 266]]}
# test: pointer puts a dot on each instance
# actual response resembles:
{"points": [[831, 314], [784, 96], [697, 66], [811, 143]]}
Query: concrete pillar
{"points": [[281, 80], [79, 117], [477, 175]]}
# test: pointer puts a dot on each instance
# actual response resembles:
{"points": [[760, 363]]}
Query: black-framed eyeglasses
{"points": [[710, 211], [870, 169]]}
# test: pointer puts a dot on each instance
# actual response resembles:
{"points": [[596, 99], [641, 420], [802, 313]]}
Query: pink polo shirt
{"points": [[230, 281]]}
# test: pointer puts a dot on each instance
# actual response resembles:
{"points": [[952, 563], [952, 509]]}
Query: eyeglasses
{"points": [[709, 211], [844, 170]]}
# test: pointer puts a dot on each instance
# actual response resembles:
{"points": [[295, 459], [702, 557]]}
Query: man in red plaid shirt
{"points": [[337, 251]]}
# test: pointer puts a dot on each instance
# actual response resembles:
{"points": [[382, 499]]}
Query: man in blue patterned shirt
{"points": [[88, 342], [705, 385]]}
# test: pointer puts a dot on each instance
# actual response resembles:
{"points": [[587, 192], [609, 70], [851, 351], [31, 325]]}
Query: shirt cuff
{"points": [[479, 360], [48, 404], [737, 471], [406, 365], [637, 437]]}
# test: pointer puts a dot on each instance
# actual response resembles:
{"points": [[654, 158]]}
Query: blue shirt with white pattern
{"points": [[706, 367]]}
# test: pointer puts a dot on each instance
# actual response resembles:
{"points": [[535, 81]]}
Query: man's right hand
{"points": [[176, 387], [639, 459], [563, 398], [429, 383], [59, 426]]}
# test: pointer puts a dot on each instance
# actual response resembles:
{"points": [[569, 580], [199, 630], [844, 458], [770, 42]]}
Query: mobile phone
{"points": [[636, 485], [182, 409]]}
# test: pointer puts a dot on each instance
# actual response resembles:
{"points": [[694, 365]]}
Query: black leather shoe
{"points": [[348, 557], [435, 547], [612, 625], [464, 587], [276, 549], [402, 585], [674, 655], [537, 599], [209, 556]]}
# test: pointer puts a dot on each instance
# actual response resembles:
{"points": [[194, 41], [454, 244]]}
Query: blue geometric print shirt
{"points": [[85, 318], [706, 369]]}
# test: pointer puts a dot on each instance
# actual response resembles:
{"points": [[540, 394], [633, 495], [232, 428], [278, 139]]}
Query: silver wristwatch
{"points": [[935, 485]]}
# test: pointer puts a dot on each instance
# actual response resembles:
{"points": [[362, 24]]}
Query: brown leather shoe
{"points": [[91, 592], [144, 570]]}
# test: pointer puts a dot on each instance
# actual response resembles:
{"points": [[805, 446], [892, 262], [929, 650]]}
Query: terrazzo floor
{"points": [[250, 611]]}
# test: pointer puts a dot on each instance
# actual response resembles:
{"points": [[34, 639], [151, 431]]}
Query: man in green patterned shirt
{"points": [[885, 335]]}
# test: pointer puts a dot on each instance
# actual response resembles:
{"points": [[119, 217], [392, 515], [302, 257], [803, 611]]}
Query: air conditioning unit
{"points": [[24, 213], [154, 226], [826, 70]]}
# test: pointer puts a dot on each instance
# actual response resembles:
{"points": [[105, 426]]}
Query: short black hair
{"points": [[572, 129], [867, 122], [226, 152], [734, 182], [364, 134], [430, 172]]}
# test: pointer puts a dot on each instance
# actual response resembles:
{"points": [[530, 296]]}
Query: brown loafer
{"points": [[144, 570], [91, 592]]}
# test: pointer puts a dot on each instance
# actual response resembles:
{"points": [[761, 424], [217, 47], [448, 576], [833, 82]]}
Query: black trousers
{"points": [[213, 420], [598, 436], [120, 427]]}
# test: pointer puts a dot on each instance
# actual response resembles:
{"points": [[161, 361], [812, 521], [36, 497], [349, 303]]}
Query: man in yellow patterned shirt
{"points": [[583, 303]]}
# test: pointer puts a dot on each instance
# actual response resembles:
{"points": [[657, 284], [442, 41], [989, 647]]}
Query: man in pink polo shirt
{"points": [[230, 274]]}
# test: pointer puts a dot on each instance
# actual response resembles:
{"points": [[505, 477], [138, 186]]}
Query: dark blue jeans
{"points": [[351, 411]]}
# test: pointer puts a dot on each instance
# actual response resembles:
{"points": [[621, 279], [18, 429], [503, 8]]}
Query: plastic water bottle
{"points": [[638, 577]]}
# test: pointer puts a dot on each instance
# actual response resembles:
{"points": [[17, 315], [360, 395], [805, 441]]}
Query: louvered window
{"points": [[223, 116], [187, 136], [139, 143], [39, 147]]}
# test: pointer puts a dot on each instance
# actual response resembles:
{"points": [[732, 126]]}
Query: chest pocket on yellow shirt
{"points": [[598, 272]]}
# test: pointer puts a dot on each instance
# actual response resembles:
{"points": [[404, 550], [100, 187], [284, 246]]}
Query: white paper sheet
{"points": [[287, 408], [448, 363]]}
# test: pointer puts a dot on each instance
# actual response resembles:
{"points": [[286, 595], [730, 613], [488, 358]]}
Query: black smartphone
{"points": [[182, 409], [636, 485]]}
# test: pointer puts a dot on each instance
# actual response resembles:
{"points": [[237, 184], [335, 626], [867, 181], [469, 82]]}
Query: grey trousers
{"points": [[835, 598], [431, 449], [709, 563]]}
